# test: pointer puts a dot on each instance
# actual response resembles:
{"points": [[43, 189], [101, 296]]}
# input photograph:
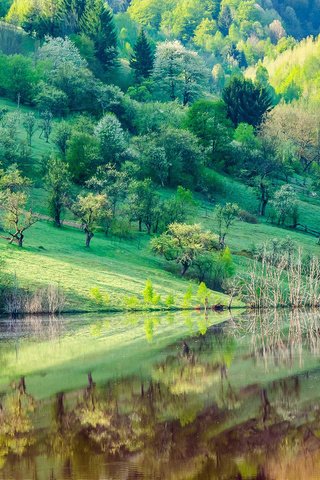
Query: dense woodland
{"points": [[129, 118]]}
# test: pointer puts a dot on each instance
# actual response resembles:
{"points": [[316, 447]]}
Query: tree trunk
{"points": [[57, 219], [140, 225], [184, 269], [89, 236], [263, 206], [222, 241], [20, 240]]}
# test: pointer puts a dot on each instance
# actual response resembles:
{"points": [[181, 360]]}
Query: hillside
{"points": [[129, 170]]}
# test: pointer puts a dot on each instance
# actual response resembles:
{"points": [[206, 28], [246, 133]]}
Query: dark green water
{"points": [[161, 397]]}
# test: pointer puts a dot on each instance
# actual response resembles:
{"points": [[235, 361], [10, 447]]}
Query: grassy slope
{"points": [[122, 267]]}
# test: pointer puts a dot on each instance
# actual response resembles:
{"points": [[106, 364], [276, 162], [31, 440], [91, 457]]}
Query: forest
{"points": [[158, 155]]}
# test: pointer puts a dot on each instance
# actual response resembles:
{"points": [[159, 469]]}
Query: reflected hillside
{"points": [[241, 401]]}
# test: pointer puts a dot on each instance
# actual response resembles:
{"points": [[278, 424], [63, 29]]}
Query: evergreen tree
{"points": [[97, 24], [142, 59], [69, 14], [246, 102]]}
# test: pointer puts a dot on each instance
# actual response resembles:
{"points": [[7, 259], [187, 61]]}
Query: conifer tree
{"points": [[142, 59], [97, 24]]}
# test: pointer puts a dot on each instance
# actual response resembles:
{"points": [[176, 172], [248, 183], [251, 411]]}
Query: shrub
{"points": [[211, 183], [247, 217], [101, 299]]}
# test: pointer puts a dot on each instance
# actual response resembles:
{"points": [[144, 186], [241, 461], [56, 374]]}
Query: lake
{"points": [[161, 396]]}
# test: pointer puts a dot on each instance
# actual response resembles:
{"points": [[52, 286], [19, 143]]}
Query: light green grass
{"points": [[118, 268]]}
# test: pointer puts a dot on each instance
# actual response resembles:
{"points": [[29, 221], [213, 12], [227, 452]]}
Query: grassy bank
{"points": [[118, 268]]}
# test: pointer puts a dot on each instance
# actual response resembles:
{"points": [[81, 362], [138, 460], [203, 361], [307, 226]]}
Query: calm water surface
{"points": [[161, 397]]}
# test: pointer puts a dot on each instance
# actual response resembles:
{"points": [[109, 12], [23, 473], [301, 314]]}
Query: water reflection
{"points": [[240, 400]]}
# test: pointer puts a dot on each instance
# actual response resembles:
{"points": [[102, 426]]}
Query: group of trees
{"points": [[111, 152]]}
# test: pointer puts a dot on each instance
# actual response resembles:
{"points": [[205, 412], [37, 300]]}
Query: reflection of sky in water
{"points": [[161, 396]]}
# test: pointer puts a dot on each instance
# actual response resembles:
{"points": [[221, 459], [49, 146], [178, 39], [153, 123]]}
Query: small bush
{"points": [[132, 303], [247, 217], [170, 301], [101, 299], [121, 228]]}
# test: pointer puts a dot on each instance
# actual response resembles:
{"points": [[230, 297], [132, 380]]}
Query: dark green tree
{"points": [[225, 20], [246, 102], [142, 59], [97, 24]]}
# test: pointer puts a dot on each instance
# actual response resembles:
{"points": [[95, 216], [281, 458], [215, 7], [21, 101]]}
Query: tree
{"points": [[112, 139], [112, 182], [179, 73], [184, 244], [52, 99], [183, 154], [225, 20], [14, 197], [285, 203], [142, 59], [294, 129], [30, 126], [97, 24], [225, 216], [246, 102], [91, 209], [46, 125], [62, 134], [143, 204], [57, 181], [83, 155], [208, 120]]}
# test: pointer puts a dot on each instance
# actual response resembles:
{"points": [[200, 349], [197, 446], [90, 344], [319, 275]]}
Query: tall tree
{"points": [[142, 59], [97, 24], [179, 73]]}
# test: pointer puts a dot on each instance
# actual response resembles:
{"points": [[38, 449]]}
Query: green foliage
{"points": [[187, 299], [101, 298], [184, 244], [285, 203], [179, 73], [203, 294], [208, 121], [149, 295], [246, 102], [226, 215], [142, 58], [82, 155], [112, 139], [170, 301], [143, 204], [97, 24]]}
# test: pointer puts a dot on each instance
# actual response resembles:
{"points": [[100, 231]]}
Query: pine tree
{"points": [[69, 14], [97, 24], [142, 59]]}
